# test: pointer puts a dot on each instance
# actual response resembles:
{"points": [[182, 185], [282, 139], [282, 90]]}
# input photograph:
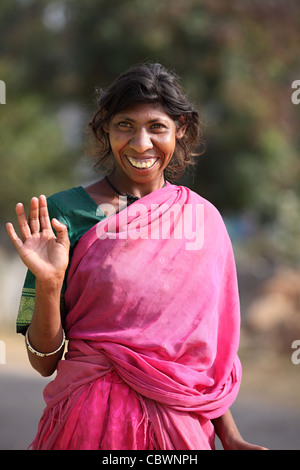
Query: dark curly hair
{"points": [[148, 83]]}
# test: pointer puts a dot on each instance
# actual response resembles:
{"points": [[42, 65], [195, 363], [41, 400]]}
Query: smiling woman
{"points": [[152, 320], [149, 84], [142, 140]]}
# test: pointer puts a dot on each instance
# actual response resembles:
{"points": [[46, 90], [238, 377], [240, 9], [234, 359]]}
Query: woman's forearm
{"points": [[45, 332], [227, 430]]}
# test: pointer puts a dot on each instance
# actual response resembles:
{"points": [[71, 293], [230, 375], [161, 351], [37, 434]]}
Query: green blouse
{"points": [[79, 212]]}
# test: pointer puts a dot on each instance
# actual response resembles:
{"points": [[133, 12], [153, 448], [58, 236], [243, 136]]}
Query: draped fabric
{"points": [[153, 328]]}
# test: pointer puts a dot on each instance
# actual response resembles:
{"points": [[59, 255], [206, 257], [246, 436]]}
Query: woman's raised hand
{"points": [[44, 254]]}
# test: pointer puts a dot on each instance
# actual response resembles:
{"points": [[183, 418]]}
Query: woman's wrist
{"points": [[45, 330], [40, 354], [49, 286], [232, 441]]}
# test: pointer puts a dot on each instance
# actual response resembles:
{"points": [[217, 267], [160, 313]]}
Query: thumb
{"points": [[61, 232]]}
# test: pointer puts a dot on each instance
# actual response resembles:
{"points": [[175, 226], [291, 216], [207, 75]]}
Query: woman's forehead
{"points": [[143, 111]]}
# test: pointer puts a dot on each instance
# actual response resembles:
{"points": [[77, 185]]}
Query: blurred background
{"points": [[238, 61]]}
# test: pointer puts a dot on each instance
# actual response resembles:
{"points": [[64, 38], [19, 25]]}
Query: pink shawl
{"points": [[152, 297]]}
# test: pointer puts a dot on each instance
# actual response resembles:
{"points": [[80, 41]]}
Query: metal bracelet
{"points": [[37, 353]]}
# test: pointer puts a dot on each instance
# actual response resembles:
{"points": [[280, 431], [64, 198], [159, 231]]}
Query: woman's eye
{"points": [[158, 126], [124, 124]]}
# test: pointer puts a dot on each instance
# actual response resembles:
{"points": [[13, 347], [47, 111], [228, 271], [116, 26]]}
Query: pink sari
{"points": [[153, 328]]}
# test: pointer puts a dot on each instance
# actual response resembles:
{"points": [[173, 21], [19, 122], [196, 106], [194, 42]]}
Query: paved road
{"points": [[21, 405]]}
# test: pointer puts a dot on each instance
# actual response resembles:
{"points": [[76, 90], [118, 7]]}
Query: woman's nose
{"points": [[141, 141]]}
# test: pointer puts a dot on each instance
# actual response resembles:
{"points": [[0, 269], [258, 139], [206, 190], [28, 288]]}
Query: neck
{"points": [[127, 186]]}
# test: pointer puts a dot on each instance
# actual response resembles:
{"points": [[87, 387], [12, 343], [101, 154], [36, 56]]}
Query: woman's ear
{"points": [[105, 125], [181, 127]]}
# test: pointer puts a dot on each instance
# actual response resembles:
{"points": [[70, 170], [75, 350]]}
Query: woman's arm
{"points": [[45, 333], [47, 257], [229, 434]]}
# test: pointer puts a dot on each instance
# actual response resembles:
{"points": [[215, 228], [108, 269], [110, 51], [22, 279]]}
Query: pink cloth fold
{"points": [[153, 309]]}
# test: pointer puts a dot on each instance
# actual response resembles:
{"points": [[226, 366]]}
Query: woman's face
{"points": [[143, 140]]}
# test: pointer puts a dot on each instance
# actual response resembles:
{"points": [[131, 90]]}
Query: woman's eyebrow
{"points": [[125, 118], [151, 121]]}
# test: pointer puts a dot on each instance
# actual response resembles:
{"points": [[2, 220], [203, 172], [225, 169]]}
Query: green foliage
{"points": [[32, 152], [237, 60]]}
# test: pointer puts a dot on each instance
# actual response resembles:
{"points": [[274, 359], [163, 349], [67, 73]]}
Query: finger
{"points": [[33, 218], [61, 232], [13, 236], [22, 221], [44, 214]]}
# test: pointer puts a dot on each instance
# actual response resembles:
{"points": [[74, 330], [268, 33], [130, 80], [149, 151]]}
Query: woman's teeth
{"points": [[142, 163]]}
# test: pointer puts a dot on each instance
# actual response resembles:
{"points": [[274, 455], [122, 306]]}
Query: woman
{"points": [[145, 273]]}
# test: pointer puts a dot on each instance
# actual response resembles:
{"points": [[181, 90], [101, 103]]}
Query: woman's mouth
{"points": [[142, 163]]}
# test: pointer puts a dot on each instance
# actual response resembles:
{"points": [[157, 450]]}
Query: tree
{"points": [[237, 59]]}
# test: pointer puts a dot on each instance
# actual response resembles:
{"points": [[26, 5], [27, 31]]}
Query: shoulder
{"points": [[210, 209], [213, 220], [76, 209], [65, 198], [60, 204], [71, 201]]}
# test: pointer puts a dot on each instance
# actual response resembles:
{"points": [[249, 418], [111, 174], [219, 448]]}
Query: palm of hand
{"points": [[45, 254]]}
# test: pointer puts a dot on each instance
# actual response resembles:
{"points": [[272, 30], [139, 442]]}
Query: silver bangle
{"points": [[37, 353]]}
